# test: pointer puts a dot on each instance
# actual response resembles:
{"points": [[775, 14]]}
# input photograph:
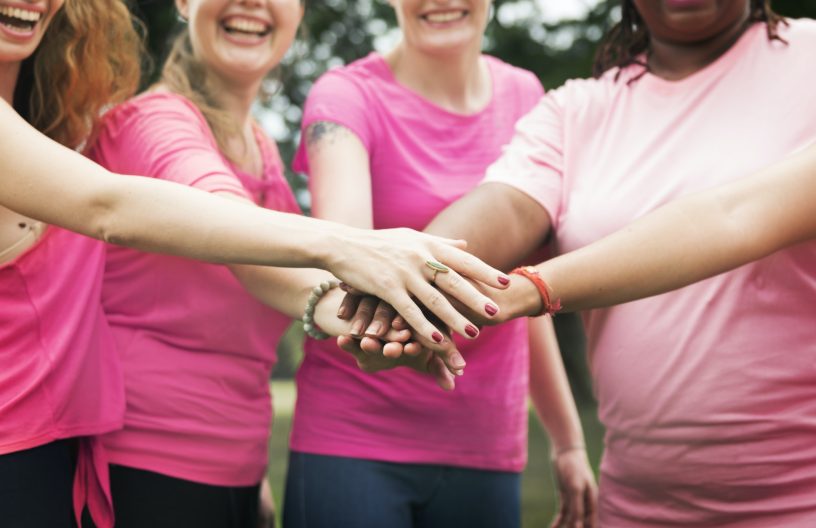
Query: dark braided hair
{"points": [[629, 38]]}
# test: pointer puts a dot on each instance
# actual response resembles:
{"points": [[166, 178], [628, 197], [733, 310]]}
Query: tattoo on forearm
{"points": [[323, 130]]}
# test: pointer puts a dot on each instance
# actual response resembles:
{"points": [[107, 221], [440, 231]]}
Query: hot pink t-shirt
{"points": [[708, 394], [59, 374], [197, 348], [422, 159]]}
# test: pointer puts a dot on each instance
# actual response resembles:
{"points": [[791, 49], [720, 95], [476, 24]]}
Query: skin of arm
{"points": [[692, 238], [555, 406], [44, 180]]}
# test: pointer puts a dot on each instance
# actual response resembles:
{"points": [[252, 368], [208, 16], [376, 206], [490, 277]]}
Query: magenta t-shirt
{"points": [[422, 159], [59, 374], [197, 348], [708, 393]]}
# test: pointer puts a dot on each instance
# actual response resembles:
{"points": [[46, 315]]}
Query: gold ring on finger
{"points": [[437, 267]]}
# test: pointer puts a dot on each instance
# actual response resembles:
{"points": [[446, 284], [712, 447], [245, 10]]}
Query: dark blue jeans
{"points": [[338, 492], [36, 487]]}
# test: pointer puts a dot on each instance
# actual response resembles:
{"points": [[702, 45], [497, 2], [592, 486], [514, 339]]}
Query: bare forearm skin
{"points": [[148, 214], [692, 239], [549, 388], [502, 225]]}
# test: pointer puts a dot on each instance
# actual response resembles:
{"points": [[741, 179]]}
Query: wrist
{"points": [[546, 303], [317, 322], [522, 299], [556, 451]]}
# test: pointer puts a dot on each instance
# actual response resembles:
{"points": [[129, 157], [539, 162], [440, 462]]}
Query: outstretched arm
{"points": [[41, 179], [693, 238]]}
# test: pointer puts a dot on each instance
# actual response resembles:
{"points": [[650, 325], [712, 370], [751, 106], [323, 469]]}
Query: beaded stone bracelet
{"points": [[318, 292]]}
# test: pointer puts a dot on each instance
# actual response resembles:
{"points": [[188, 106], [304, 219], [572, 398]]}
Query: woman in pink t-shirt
{"points": [[389, 141], [707, 393], [197, 340], [61, 381]]}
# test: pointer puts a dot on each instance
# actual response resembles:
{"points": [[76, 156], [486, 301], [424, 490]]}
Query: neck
{"points": [[457, 82], [677, 60], [237, 98], [9, 73]]}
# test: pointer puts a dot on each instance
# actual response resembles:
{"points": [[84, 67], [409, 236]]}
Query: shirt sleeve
{"points": [[165, 137], [533, 161], [339, 98]]}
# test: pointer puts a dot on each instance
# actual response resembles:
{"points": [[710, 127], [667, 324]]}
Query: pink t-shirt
{"points": [[197, 348], [708, 394], [60, 377], [422, 159]]}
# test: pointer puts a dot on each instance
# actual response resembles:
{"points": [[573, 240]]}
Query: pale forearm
{"points": [[692, 238], [549, 388], [49, 182]]}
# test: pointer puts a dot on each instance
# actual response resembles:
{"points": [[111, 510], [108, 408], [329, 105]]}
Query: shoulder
{"points": [[359, 77], [798, 28], [150, 110], [507, 74], [513, 86]]}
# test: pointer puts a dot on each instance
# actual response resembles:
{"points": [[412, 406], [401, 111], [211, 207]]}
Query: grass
{"points": [[539, 497]]}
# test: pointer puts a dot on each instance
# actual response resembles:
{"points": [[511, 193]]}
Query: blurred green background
{"points": [[556, 39]]}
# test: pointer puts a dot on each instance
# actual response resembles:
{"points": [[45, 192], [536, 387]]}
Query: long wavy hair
{"points": [[89, 59], [628, 40]]}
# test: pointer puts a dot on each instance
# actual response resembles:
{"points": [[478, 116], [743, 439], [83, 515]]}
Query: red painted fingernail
{"points": [[504, 281], [491, 309], [437, 337], [471, 330]]}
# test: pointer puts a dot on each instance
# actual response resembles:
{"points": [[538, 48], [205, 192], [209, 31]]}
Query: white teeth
{"points": [[440, 18], [245, 25], [21, 14]]}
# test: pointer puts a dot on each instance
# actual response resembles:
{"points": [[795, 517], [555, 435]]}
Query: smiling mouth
{"points": [[19, 19], [246, 26], [443, 17]]}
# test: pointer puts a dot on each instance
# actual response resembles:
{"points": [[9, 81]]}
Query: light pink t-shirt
{"points": [[708, 394], [422, 159], [59, 374], [197, 348]]}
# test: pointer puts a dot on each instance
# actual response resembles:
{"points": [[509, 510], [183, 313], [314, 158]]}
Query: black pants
{"points": [[36, 487], [144, 499]]}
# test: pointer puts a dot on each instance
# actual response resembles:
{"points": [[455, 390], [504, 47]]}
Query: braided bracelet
{"points": [[531, 273], [318, 292]]}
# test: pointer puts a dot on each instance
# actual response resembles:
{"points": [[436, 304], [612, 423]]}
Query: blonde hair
{"points": [[88, 59], [184, 74]]}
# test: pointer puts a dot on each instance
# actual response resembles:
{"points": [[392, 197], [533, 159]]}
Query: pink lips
{"points": [[684, 4]]}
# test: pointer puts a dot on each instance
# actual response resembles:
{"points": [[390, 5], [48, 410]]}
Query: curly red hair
{"points": [[89, 59]]}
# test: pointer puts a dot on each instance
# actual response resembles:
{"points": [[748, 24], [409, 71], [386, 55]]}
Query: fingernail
{"points": [[491, 309], [471, 330], [341, 313], [459, 372], [374, 329], [458, 362], [357, 329], [504, 281], [436, 336]]}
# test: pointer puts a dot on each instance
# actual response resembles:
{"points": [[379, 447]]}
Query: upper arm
{"points": [[335, 148], [339, 174], [42, 179], [164, 137]]}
